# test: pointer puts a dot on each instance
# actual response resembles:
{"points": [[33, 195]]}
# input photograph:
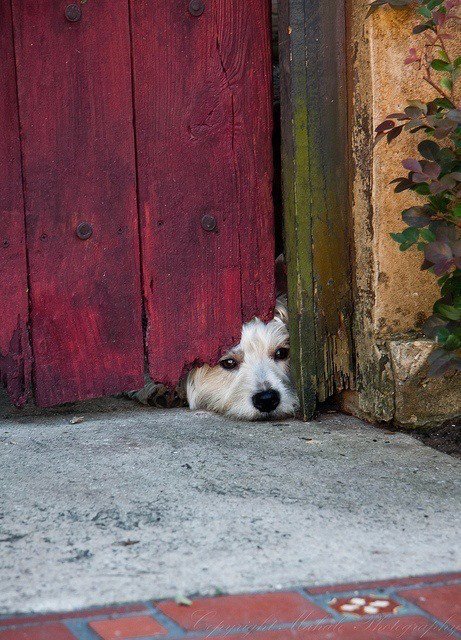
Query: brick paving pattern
{"points": [[425, 608]]}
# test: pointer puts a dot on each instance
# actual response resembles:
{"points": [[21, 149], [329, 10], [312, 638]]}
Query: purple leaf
{"points": [[443, 267], [438, 251], [412, 56], [429, 149], [437, 187], [446, 233], [439, 18], [412, 165], [398, 116], [412, 111], [419, 178], [394, 133], [385, 126], [455, 115], [416, 217], [431, 169]]}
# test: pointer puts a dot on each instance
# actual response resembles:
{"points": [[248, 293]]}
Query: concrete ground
{"points": [[135, 503]]}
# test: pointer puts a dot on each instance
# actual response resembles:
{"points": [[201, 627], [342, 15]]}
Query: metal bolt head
{"points": [[196, 7], [84, 230], [73, 12], [208, 222]]}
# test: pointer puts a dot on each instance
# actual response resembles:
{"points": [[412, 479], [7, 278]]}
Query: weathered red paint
{"points": [[14, 343], [203, 124], [75, 103]]}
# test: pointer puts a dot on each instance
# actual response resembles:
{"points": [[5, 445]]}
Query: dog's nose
{"points": [[266, 401]]}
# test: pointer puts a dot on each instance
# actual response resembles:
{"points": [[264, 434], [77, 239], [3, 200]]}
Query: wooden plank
{"points": [[75, 104], [315, 179], [327, 103], [296, 200], [203, 122], [14, 342]]}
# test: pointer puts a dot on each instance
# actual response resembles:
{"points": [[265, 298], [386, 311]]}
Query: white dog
{"points": [[252, 381]]}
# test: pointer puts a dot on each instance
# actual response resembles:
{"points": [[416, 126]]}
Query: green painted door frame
{"points": [[315, 179]]}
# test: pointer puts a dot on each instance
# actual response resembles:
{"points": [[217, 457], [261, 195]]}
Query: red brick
{"points": [[442, 602], [398, 628], [68, 615], [38, 632], [125, 628], [224, 612], [384, 584]]}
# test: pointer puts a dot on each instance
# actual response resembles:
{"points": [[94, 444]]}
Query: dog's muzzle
{"points": [[266, 401]]}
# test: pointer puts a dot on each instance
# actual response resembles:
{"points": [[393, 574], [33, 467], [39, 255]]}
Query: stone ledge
{"points": [[421, 401], [417, 400]]}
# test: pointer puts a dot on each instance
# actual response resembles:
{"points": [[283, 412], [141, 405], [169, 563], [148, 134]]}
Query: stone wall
{"points": [[392, 295]]}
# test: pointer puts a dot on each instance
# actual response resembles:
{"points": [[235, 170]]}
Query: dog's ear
{"points": [[281, 311], [281, 285]]}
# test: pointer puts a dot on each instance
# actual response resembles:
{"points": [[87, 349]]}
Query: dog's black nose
{"points": [[266, 401]]}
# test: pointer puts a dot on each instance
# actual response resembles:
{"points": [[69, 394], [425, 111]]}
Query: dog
{"points": [[251, 381]]}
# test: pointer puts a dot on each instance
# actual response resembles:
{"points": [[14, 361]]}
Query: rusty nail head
{"points": [[208, 222], [73, 12], [84, 230], [196, 7]]}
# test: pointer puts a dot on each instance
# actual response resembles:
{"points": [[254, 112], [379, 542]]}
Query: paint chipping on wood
{"points": [[15, 366], [15, 355]]}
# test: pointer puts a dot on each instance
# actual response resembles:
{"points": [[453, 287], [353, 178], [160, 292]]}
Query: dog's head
{"points": [[252, 381]]}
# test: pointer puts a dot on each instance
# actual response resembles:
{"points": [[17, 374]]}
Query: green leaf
{"points": [[452, 343], [444, 103], [448, 311], [440, 65], [443, 55], [457, 62], [424, 11], [451, 285], [422, 189], [443, 334], [457, 211], [410, 234], [446, 83], [427, 235], [406, 245]]}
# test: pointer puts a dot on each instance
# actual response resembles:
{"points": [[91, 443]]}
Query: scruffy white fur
{"points": [[231, 392]]}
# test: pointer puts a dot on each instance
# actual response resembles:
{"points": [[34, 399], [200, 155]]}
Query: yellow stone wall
{"points": [[392, 295], [404, 294]]}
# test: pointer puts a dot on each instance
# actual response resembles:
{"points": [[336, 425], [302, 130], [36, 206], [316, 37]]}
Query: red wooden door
{"points": [[203, 120], [75, 103], [200, 115], [14, 344]]}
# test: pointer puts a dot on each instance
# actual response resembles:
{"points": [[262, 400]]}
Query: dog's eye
{"points": [[282, 353], [229, 363]]}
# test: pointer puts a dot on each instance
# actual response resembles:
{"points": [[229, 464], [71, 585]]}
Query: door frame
{"points": [[315, 187]]}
